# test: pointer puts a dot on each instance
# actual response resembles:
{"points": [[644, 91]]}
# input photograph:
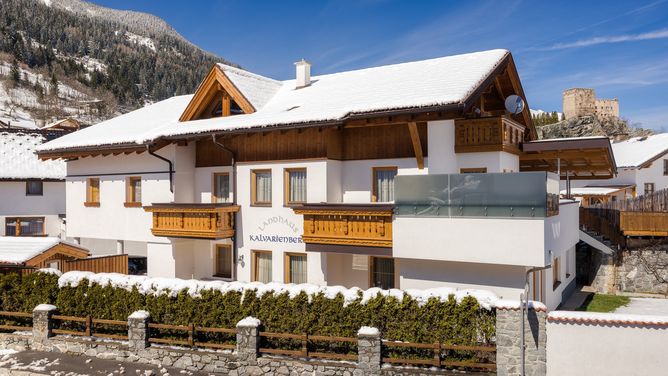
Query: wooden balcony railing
{"points": [[203, 221], [633, 223], [367, 225], [488, 134]]}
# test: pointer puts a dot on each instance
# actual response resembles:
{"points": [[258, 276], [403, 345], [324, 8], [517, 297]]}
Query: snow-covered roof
{"points": [[594, 190], [257, 89], [636, 151], [19, 161], [133, 127], [17, 250], [329, 98]]}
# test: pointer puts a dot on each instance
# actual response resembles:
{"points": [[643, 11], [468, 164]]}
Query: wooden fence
{"points": [[480, 357], [103, 264], [656, 202]]}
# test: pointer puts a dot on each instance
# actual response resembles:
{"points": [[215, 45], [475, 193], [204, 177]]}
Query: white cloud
{"points": [[656, 34]]}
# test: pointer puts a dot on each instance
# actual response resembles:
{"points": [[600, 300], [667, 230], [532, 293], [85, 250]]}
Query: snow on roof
{"points": [[330, 97], [257, 89], [133, 127], [636, 151], [17, 250], [591, 191], [19, 161]]}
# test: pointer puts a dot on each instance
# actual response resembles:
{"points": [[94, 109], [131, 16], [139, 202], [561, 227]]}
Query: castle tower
{"points": [[579, 102], [607, 108]]}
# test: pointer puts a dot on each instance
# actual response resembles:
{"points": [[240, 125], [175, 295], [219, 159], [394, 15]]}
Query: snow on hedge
{"points": [[173, 286]]}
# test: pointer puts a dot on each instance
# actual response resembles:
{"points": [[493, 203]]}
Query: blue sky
{"points": [[620, 48]]}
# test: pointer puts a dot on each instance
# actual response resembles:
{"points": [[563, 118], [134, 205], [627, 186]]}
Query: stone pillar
{"points": [[138, 331], [248, 340], [509, 342], [42, 325], [369, 350]]}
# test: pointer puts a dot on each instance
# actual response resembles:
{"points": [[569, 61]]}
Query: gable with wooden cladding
{"points": [[216, 96], [339, 143]]}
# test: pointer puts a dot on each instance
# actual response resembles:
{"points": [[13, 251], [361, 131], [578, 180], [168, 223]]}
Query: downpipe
{"points": [[171, 169], [524, 305]]}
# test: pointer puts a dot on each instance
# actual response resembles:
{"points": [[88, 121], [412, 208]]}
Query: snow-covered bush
{"points": [[443, 315]]}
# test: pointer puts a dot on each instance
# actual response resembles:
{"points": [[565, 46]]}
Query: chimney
{"points": [[303, 73]]}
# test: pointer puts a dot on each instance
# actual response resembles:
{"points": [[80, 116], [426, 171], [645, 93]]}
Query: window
{"points": [[665, 167], [133, 191], [26, 226], [55, 264], [34, 188], [261, 266], [295, 186], [295, 268], [261, 187], [568, 264], [537, 286], [382, 272], [224, 261], [649, 188], [478, 170], [556, 273], [383, 184], [221, 187], [92, 192]]}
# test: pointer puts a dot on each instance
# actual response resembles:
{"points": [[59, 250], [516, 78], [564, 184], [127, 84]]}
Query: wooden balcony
{"points": [[201, 221], [488, 134], [368, 225]]}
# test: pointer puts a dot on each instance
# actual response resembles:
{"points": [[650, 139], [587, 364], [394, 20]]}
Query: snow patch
{"points": [[50, 271], [516, 304], [140, 40], [141, 314], [249, 321], [368, 331], [45, 307], [173, 286]]}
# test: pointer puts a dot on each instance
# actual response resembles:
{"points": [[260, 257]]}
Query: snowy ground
{"points": [[645, 306]]}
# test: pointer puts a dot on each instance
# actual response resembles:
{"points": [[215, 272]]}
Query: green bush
{"points": [[464, 323]]}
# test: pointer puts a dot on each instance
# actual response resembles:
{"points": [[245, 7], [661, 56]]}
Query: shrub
{"points": [[445, 321]]}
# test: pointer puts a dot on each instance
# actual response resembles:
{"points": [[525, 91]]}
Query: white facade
{"points": [[454, 255], [50, 205]]}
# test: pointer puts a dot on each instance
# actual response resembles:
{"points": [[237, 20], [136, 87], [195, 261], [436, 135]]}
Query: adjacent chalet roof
{"points": [[638, 152], [593, 190], [575, 157], [15, 250], [18, 160], [429, 85]]}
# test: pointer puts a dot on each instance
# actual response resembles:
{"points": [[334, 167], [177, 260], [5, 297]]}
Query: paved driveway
{"points": [[645, 306]]}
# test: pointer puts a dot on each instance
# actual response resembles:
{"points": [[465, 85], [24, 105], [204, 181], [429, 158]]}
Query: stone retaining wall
{"points": [[509, 341], [244, 360]]}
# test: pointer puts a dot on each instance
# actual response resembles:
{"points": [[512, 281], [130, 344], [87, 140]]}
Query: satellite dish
{"points": [[514, 104]]}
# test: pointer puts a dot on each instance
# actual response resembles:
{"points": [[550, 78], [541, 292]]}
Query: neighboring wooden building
{"points": [[27, 254], [67, 124]]}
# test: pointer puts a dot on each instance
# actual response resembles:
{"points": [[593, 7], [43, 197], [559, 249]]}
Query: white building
{"points": [[390, 177], [32, 191], [642, 164]]}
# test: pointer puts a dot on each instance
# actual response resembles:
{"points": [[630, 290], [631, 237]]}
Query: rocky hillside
{"points": [[72, 58], [591, 125]]}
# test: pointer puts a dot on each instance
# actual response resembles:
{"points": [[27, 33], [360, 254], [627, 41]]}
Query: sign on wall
{"points": [[277, 229]]}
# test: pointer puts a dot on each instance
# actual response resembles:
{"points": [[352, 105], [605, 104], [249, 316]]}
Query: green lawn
{"points": [[603, 303]]}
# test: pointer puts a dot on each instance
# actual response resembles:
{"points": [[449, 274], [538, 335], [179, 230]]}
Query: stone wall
{"points": [[607, 107], [509, 341], [644, 270], [244, 360]]}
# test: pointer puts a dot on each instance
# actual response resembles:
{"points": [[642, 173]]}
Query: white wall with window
{"points": [[358, 179], [21, 199]]}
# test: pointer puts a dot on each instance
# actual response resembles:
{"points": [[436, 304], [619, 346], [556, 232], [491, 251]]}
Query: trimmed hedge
{"points": [[465, 323]]}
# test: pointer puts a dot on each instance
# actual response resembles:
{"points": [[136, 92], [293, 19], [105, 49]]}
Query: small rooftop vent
{"points": [[303, 68]]}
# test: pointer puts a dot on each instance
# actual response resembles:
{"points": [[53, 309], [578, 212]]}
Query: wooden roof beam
{"points": [[417, 145]]}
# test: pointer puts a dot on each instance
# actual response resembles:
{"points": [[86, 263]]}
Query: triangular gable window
{"points": [[216, 96]]}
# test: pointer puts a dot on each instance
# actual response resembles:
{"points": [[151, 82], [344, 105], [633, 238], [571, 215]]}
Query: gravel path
{"points": [[56, 364]]}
